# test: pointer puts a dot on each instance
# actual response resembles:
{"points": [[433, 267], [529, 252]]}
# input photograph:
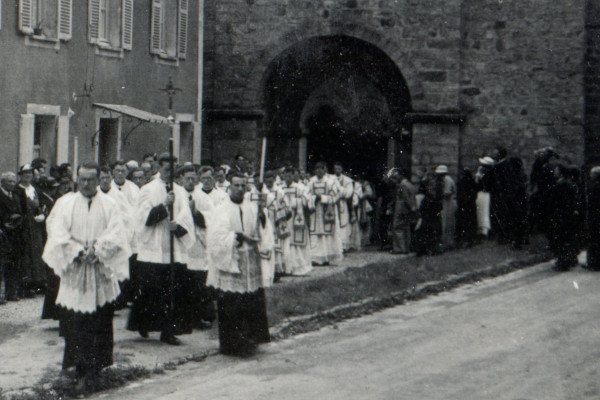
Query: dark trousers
{"points": [[12, 279], [242, 321], [88, 339]]}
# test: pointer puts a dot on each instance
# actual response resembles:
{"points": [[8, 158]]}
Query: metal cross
{"points": [[171, 91]]}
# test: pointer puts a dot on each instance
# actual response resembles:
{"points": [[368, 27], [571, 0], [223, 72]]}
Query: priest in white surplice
{"points": [[325, 235], [160, 301], [296, 249], [238, 237], [88, 249]]}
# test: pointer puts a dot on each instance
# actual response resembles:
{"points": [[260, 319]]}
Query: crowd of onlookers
{"points": [[498, 201], [427, 212]]}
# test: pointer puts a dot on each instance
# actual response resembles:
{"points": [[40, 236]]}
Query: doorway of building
{"points": [[44, 137], [362, 153], [108, 141], [346, 97]]}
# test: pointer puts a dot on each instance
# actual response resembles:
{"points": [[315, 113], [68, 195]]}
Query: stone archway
{"points": [[338, 98]]}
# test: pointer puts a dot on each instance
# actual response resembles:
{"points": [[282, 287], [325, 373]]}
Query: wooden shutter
{"points": [[65, 13], [127, 27], [155, 27], [182, 27], [25, 17], [94, 20]]}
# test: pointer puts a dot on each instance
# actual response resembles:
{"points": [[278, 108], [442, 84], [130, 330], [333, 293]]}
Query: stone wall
{"points": [[515, 68], [521, 77]]}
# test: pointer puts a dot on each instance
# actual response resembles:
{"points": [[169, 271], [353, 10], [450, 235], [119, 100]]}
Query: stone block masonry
{"points": [[515, 68]]}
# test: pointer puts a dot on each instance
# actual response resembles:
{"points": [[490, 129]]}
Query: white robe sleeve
{"points": [[112, 246], [61, 248], [221, 243]]}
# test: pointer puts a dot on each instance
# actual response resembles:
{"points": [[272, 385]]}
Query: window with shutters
{"points": [[46, 20], [110, 25], [169, 26]]}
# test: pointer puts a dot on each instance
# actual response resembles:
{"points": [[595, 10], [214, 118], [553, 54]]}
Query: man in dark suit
{"points": [[11, 216]]}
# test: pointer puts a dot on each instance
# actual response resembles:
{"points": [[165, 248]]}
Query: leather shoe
{"points": [[143, 333], [170, 339]]}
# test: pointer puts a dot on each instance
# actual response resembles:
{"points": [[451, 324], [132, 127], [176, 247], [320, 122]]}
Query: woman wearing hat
{"points": [[448, 207], [484, 224]]}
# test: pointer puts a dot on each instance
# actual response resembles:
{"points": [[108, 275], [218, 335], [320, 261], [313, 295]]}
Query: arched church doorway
{"points": [[337, 98]]}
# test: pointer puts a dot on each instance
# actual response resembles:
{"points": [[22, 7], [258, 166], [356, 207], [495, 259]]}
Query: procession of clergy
{"points": [[173, 250]]}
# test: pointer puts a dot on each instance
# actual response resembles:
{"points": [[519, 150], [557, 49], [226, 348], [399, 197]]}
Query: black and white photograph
{"points": [[300, 199]]}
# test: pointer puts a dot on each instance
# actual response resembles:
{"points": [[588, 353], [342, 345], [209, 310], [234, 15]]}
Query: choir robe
{"points": [[278, 217], [87, 290], [152, 309], [127, 291], [200, 304], [346, 191], [222, 186], [297, 259], [325, 239], [239, 273], [130, 190]]}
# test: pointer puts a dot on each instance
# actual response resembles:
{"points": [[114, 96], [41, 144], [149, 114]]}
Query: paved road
{"points": [[533, 334]]}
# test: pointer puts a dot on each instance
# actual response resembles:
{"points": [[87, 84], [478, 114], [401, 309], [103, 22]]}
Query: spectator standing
{"points": [[11, 218], [593, 250], [466, 212], [428, 231], [404, 212], [563, 227], [32, 266], [448, 207]]}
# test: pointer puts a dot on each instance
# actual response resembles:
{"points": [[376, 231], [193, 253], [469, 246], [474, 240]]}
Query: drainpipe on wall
{"points": [[198, 140]]}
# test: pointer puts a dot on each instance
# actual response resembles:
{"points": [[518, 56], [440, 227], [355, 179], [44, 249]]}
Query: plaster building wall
{"points": [[39, 75]]}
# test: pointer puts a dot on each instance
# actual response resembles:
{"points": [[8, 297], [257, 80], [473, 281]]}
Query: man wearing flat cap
{"points": [[154, 307]]}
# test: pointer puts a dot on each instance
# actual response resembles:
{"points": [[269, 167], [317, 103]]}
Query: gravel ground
{"points": [[32, 351]]}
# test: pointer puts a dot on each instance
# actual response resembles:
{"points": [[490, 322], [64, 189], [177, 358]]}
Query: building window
{"points": [[46, 19], [111, 24], [169, 25], [44, 133]]}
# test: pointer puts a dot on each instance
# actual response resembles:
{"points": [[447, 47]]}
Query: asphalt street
{"points": [[532, 334]]}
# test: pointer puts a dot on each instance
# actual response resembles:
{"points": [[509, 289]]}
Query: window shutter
{"points": [[127, 29], [94, 20], [182, 27], [65, 8], [155, 27], [25, 17]]}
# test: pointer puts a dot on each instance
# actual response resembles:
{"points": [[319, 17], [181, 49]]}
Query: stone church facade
{"points": [[408, 83]]}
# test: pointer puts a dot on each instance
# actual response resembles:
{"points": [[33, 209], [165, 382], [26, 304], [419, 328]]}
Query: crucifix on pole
{"points": [[171, 91]]}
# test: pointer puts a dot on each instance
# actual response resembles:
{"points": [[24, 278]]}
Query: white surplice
{"points": [[296, 247], [74, 223], [325, 239], [153, 242], [205, 203], [234, 268]]}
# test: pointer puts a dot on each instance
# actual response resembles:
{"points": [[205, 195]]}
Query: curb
{"points": [[308, 323], [313, 322]]}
